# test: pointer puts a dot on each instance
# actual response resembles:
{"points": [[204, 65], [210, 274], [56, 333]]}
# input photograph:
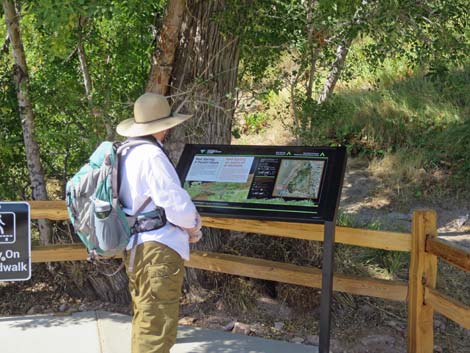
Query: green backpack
{"points": [[92, 198]]}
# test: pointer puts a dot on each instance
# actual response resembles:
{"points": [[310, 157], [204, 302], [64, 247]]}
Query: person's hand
{"points": [[195, 233], [194, 237]]}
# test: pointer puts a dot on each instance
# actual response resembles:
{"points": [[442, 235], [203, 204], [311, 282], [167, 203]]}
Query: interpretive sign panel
{"points": [[264, 182], [15, 241]]}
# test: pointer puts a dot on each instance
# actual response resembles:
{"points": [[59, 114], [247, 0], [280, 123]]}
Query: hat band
{"points": [[152, 121]]}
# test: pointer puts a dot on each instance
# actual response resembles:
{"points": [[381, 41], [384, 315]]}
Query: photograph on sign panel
{"points": [[219, 178]]}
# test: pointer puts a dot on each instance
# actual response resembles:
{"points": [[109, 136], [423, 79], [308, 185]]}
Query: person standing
{"points": [[156, 269]]}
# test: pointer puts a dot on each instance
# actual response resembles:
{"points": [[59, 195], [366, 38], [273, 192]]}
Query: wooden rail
{"points": [[450, 252], [55, 210], [420, 292], [251, 267], [58, 253], [293, 274], [448, 307]]}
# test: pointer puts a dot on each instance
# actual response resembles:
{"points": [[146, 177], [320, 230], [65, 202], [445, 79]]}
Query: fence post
{"points": [[423, 272]]}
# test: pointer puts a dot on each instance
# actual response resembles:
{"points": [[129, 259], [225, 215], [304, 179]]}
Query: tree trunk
{"points": [[164, 54], [335, 71], [365, 9], [204, 79], [313, 49], [36, 172], [312, 70], [90, 281]]}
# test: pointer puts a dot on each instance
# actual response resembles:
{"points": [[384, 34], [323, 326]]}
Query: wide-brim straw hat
{"points": [[152, 114]]}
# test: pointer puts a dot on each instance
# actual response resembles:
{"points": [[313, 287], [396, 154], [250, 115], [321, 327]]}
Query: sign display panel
{"points": [[266, 182], [15, 242]]}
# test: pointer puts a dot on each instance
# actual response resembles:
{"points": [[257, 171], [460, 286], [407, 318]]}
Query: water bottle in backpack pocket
{"points": [[109, 231]]}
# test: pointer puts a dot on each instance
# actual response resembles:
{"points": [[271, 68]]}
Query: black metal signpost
{"points": [[326, 287], [283, 183], [15, 241]]}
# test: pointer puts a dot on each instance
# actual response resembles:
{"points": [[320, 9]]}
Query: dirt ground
{"points": [[359, 325]]}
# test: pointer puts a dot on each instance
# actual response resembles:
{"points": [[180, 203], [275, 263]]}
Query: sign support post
{"points": [[327, 285], [282, 183]]}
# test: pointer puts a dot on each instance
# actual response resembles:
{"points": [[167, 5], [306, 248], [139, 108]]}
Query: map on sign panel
{"points": [[299, 178]]}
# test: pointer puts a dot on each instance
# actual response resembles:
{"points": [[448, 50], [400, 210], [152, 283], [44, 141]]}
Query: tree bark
{"points": [[312, 71], [365, 9], [314, 50], [335, 71], [203, 82], [164, 53], [20, 69], [204, 76]]}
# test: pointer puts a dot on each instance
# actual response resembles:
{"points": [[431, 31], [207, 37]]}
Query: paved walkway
{"points": [[104, 332]]}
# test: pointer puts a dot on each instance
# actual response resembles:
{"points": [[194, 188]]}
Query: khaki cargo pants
{"points": [[155, 287]]}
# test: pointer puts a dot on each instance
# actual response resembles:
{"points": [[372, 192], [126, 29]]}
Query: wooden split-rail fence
{"points": [[419, 292]]}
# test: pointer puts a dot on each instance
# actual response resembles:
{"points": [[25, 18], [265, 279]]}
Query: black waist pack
{"points": [[151, 220]]}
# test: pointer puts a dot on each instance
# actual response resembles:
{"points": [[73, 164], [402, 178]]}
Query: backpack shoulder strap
{"points": [[142, 207], [120, 148]]}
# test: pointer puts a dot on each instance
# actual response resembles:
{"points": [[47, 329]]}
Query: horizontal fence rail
{"points": [[448, 307], [293, 274], [452, 253], [55, 210], [251, 267]]}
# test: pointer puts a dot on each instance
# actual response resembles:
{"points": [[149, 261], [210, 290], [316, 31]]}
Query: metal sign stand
{"points": [[327, 286], [266, 162]]}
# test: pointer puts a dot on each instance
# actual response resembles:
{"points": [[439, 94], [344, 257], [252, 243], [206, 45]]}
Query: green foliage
{"points": [[314, 121], [394, 262], [423, 32], [13, 172], [425, 115], [255, 122], [117, 39], [277, 40], [265, 29], [268, 30]]}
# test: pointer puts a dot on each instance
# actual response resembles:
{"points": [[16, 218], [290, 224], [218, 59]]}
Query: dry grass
{"points": [[403, 177]]}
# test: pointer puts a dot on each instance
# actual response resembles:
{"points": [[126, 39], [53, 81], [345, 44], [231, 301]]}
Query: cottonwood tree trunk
{"points": [[36, 173], [203, 83], [204, 76]]}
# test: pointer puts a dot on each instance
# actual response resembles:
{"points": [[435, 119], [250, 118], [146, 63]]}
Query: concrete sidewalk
{"points": [[104, 332]]}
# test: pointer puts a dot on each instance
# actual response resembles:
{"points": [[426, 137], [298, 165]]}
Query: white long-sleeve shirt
{"points": [[146, 171]]}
